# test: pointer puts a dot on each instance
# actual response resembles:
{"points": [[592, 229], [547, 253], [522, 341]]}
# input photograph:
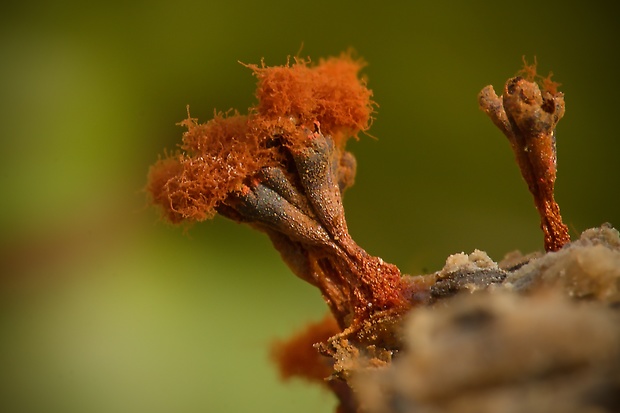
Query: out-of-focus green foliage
{"points": [[105, 309]]}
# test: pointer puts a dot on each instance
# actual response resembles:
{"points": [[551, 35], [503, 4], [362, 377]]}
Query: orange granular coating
{"points": [[219, 156], [296, 357]]}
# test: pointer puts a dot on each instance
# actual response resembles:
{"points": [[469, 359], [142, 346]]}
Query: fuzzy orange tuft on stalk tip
{"points": [[282, 169]]}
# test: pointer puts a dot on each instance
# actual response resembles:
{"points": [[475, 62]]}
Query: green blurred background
{"points": [[104, 308]]}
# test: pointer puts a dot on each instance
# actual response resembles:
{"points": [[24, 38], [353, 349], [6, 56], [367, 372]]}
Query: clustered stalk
{"points": [[306, 224], [282, 169]]}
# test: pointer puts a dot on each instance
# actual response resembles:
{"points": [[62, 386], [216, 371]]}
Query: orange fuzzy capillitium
{"points": [[330, 93], [221, 156], [217, 157]]}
